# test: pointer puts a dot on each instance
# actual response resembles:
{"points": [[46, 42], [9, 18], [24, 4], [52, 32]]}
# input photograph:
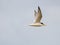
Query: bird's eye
{"points": [[41, 23]]}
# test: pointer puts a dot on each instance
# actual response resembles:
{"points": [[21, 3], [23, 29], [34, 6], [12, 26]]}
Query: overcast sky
{"points": [[16, 15]]}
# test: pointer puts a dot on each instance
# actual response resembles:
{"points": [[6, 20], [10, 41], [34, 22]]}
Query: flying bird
{"points": [[38, 17]]}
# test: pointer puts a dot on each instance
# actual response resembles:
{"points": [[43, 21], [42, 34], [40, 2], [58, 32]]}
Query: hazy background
{"points": [[16, 15]]}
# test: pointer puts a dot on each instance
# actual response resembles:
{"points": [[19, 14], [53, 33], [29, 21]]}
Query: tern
{"points": [[38, 17]]}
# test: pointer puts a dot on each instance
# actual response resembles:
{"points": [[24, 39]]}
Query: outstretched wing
{"points": [[35, 13], [38, 16]]}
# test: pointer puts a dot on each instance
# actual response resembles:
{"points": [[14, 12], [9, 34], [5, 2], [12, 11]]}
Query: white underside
{"points": [[36, 24]]}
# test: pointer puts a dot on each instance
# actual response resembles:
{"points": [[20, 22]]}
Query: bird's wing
{"points": [[35, 13], [38, 16]]}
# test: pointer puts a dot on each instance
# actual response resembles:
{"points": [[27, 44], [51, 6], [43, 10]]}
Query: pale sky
{"points": [[16, 15]]}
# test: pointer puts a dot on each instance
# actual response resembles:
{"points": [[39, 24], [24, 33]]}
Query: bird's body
{"points": [[38, 17]]}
